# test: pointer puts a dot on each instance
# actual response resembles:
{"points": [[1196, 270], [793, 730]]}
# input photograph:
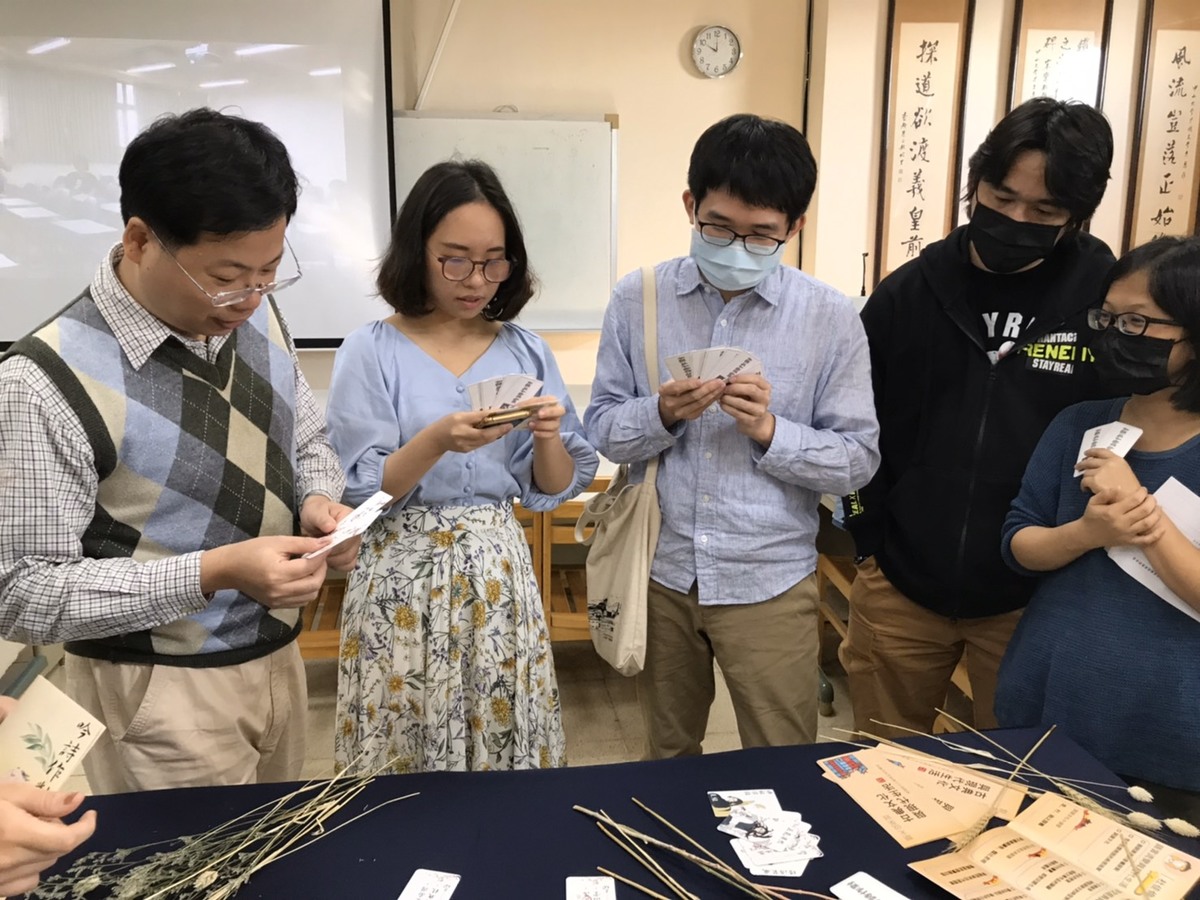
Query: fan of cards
{"points": [[713, 362], [503, 394], [769, 840]]}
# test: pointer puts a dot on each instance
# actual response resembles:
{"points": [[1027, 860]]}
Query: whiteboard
{"points": [[560, 175]]}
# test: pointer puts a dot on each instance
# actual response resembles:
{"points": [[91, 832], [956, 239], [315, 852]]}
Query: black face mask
{"points": [[1005, 245], [1132, 364]]}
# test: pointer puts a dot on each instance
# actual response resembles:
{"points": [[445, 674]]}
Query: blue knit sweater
{"points": [[1097, 653]]}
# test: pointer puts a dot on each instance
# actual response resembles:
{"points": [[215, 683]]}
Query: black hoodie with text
{"points": [[968, 368]]}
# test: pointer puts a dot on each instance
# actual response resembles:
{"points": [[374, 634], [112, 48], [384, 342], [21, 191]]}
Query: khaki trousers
{"points": [[169, 726], [899, 657], [767, 653]]}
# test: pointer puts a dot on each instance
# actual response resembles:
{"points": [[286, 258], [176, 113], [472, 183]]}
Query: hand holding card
{"points": [[1115, 436], [355, 523]]}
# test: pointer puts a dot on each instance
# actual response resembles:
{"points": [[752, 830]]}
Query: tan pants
{"points": [[169, 726], [767, 653], [899, 657]]}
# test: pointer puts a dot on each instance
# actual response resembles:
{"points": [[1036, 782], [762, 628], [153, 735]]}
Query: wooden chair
{"points": [[320, 636], [564, 586]]}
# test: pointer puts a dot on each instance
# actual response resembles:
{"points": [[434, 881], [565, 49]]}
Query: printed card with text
{"points": [[503, 392], [1115, 436], [591, 887], [713, 362], [355, 522], [426, 884], [44, 740]]}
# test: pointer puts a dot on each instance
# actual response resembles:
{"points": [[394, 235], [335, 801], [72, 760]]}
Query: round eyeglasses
{"points": [[459, 268], [758, 244], [229, 298], [1131, 324]]}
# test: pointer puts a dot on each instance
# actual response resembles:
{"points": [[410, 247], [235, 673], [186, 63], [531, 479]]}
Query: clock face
{"points": [[716, 51]]}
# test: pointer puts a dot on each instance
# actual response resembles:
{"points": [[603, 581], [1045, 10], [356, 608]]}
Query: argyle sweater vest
{"points": [[190, 455]]}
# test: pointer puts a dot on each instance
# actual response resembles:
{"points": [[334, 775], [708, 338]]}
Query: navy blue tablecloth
{"points": [[515, 835]]}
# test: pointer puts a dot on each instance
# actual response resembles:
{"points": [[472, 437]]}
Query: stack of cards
{"points": [[714, 362], [769, 840], [504, 392]]}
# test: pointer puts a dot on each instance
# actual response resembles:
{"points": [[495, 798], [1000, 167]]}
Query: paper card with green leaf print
{"points": [[46, 737]]}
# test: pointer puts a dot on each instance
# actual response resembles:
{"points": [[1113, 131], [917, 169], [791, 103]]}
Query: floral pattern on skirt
{"points": [[445, 660]]}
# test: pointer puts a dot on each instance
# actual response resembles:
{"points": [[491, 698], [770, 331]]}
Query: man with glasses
{"points": [[744, 461], [160, 452], [975, 346]]}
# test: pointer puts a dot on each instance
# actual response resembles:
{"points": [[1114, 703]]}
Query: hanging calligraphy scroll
{"points": [[924, 87], [1166, 188], [1059, 50]]}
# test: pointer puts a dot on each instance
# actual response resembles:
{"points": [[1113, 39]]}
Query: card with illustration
{"points": [[355, 522], [757, 799], [426, 884], [591, 887], [44, 740]]}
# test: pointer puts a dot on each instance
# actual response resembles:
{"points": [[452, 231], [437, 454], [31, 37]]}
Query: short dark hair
{"points": [[206, 172], [762, 162], [1076, 140], [442, 189], [1172, 267]]}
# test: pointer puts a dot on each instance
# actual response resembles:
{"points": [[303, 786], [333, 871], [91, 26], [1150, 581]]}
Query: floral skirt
{"points": [[445, 660]]}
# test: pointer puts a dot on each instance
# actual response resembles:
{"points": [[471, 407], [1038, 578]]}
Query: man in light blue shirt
{"points": [[744, 461]]}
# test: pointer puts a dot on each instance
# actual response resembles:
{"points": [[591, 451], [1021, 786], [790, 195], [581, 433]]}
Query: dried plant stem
{"points": [[644, 858], [632, 884], [977, 829], [720, 869]]}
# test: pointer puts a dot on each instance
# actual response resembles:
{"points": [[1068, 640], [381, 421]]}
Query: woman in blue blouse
{"points": [[445, 657], [1098, 652]]}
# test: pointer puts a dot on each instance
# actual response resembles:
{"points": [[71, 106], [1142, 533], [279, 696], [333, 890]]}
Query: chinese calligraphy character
{"points": [[912, 246], [1051, 41], [1168, 156], [1163, 217], [921, 116], [928, 52], [1173, 122], [914, 216], [1084, 44], [1180, 58], [919, 150], [917, 188], [1166, 185], [1177, 88], [925, 85]]}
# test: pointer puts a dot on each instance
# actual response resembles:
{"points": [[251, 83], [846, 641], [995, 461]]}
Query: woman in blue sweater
{"points": [[1098, 653]]}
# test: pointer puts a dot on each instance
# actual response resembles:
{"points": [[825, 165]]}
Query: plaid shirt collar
{"points": [[138, 332]]}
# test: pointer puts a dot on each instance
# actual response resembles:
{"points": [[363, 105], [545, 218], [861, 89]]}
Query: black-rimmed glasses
{"points": [[1131, 324], [758, 244], [459, 268], [229, 298]]}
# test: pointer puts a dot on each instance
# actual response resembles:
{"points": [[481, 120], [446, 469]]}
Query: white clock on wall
{"points": [[716, 51]]}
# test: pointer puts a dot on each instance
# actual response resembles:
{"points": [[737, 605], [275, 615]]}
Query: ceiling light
{"points": [[232, 82], [255, 49], [332, 70], [47, 46], [152, 67]]}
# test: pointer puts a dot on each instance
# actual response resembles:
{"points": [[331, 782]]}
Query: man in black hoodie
{"points": [[975, 346]]}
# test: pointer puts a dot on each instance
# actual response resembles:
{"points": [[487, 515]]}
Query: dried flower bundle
{"points": [[216, 864]]}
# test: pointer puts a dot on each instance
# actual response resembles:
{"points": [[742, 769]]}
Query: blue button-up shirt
{"points": [[739, 519]]}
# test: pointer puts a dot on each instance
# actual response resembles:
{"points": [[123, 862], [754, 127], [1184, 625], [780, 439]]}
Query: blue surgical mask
{"points": [[732, 268]]}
